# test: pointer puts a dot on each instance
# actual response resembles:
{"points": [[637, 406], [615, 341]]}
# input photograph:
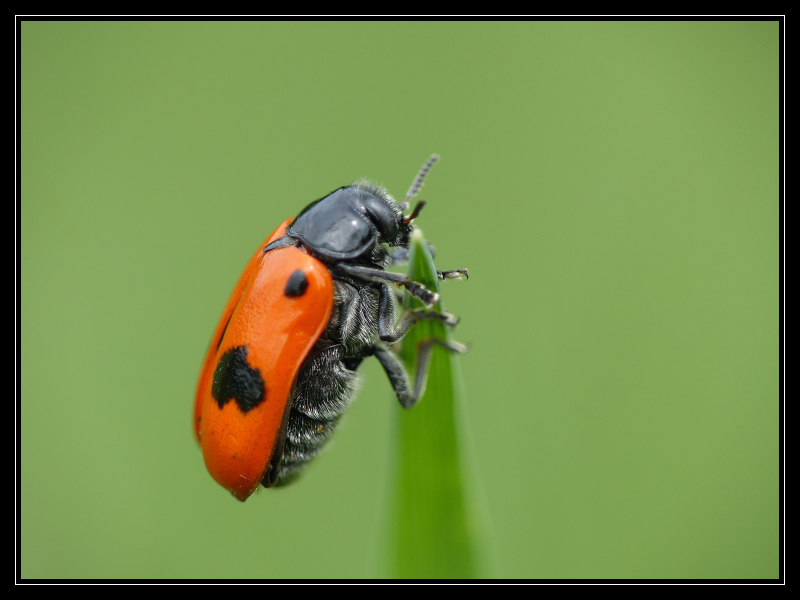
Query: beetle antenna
{"points": [[415, 213], [418, 181]]}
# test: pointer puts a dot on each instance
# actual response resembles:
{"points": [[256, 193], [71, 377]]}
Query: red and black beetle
{"points": [[312, 303]]}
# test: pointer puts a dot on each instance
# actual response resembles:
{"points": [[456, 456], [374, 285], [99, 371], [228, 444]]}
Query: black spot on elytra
{"points": [[235, 380], [296, 285]]}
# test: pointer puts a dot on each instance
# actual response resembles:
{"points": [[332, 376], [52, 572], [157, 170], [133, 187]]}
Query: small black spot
{"points": [[234, 379], [296, 285]]}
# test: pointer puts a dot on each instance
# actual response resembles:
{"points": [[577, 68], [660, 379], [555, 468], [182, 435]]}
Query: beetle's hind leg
{"points": [[397, 373]]}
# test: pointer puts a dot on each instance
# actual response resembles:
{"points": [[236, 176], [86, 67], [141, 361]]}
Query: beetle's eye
{"points": [[382, 216]]}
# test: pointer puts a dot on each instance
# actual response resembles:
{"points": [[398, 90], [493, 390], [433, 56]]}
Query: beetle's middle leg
{"points": [[390, 332]]}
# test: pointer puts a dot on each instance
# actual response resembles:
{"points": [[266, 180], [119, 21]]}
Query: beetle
{"points": [[312, 303]]}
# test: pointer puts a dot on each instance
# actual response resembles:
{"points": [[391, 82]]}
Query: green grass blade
{"points": [[429, 520]]}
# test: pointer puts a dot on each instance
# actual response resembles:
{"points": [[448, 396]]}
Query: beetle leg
{"points": [[370, 274], [389, 332], [397, 373], [454, 274], [399, 256], [417, 290]]}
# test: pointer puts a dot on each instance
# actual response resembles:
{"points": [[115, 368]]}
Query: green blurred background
{"points": [[612, 187]]}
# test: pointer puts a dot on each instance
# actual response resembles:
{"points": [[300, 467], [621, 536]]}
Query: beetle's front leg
{"points": [[417, 290]]}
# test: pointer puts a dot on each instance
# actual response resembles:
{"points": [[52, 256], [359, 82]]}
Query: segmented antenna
{"points": [[420, 178]]}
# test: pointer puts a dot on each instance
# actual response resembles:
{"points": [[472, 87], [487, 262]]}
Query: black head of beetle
{"points": [[349, 222]]}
